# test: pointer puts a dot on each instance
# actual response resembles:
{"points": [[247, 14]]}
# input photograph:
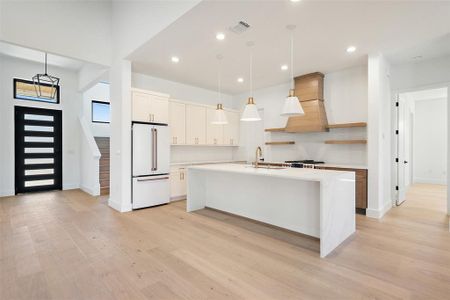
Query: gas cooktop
{"points": [[307, 163]]}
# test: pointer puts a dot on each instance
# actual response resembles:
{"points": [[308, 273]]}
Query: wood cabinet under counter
{"points": [[360, 184]]}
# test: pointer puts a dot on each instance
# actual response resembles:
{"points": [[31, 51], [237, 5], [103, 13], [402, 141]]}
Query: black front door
{"points": [[38, 149]]}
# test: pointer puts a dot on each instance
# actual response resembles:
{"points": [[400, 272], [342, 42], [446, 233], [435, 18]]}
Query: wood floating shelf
{"points": [[347, 125], [274, 129], [281, 143], [348, 142]]}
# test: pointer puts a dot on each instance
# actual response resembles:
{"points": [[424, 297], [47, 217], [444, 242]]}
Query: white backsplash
{"points": [[200, 153]]}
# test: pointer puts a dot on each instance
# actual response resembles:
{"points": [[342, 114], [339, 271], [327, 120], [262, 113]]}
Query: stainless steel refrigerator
{"points": [[150, 162]]}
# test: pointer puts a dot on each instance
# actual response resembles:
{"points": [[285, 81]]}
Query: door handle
{"points": [[405, 161], [156, 149], [152, 179]]}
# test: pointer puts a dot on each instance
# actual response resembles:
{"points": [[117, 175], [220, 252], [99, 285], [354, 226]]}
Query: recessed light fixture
{"points": [[295, 0], [284, 67], [351, 49], [240, 80], [175, 59], [220, 36]]}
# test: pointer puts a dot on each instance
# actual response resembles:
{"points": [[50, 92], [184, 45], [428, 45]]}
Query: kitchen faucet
{"points": [[257, 156]]}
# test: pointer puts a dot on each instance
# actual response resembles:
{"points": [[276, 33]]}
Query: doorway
{"points": [[422, 132], [38, 149]]}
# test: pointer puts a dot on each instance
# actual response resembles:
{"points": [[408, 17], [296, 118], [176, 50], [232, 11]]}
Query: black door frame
{"points": [[20, 145]]}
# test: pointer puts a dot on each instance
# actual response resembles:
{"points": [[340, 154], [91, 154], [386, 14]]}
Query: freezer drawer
{"points": [[150, 191]]}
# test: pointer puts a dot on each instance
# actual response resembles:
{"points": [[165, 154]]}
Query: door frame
{"points": [[395, 122], [58, 145]]}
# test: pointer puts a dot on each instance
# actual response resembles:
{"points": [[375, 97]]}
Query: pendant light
{"points": [[46, 86], [250, 111], [220, 117], [292, 105]]}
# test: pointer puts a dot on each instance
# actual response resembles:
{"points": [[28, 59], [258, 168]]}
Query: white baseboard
{"points": [[93, 191], [119, 207], [429, 180], [70, 186], [177, 198], [378, 213], [7, 193]]}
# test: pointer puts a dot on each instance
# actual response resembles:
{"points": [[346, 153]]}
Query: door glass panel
{"points": [[39, 182], [39, 172], [38, 128], [38, 117], [39, 139], [32, 161], [39, 150]]}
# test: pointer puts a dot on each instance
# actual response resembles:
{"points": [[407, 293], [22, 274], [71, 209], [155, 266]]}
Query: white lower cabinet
{"points": [[178, 182]]}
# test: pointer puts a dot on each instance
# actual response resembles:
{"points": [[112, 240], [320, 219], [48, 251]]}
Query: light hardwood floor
{"points": [[68, 245]]}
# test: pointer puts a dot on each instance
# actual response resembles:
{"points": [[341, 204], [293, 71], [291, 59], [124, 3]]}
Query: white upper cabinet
{"points": [[231, 130], [214, 132], [195, 124], [177, 123], [150, 107]]}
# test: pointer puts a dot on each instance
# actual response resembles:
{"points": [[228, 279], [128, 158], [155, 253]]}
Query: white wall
{"points": [[430, 141], [70, 105], [380, 159], [345, 94], [99, 92], [77, 29], [189, 93]]}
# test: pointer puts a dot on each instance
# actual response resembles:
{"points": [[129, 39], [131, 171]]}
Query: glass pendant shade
{"points": [[250, 112], [292, 106], [220, 118]]}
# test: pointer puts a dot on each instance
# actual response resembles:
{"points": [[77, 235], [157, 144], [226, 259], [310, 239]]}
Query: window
{"points": [[100, 112], [25, 90]]}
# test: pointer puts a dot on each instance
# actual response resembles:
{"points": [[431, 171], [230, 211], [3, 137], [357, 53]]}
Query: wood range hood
{"points": [[309, 90]]}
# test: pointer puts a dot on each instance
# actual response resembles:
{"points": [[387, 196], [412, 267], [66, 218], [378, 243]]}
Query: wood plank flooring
{"points": [[68, 245]]}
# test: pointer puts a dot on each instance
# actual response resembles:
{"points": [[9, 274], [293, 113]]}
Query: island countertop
{"points": [[290, 173]]}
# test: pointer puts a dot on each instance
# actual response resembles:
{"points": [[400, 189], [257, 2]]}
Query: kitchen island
{"points": [[318, 203]]}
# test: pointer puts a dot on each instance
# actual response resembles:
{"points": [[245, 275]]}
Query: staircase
{"points": [[103, 146]]}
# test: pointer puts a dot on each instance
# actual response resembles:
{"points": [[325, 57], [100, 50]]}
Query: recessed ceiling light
{"points": [[240, 80], [220, 36], [284, 67], [175, 59], [351, 49], [295, 0]]}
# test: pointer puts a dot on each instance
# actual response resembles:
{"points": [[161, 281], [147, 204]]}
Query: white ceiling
{"points": [[398, 29], [39, 56]]}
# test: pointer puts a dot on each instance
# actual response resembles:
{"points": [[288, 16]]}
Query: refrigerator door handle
{"points": [[153, 149], [156, 149], [152, 179]]}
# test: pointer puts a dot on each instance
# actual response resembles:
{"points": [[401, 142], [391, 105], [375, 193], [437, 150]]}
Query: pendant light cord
{"points": [[45, 63], [219, 81], [251, 74], [292, 61]]}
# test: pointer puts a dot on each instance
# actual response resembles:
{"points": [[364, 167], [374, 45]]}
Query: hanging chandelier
{"points": [[220, 117], [250, 111], [46, 85], [292, 105]]}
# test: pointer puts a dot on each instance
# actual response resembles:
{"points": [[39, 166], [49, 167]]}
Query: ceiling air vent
{"points": [[240, 27]]}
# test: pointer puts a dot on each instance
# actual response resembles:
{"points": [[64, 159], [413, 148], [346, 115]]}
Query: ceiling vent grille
{"points": [[240, 27]]}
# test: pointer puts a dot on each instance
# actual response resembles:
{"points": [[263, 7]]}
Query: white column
{"points": [[379, 137], [120, 144]]}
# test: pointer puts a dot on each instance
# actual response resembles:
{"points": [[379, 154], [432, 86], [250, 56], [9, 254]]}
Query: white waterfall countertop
{"points": [[291, 173], [319, 203]]}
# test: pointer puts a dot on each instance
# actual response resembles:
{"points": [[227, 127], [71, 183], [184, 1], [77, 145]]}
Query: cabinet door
{"points": [[177, 122], [195, 125], [178, 183], [214, 132], [159, 109], [231, 130], [141, 106]]}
